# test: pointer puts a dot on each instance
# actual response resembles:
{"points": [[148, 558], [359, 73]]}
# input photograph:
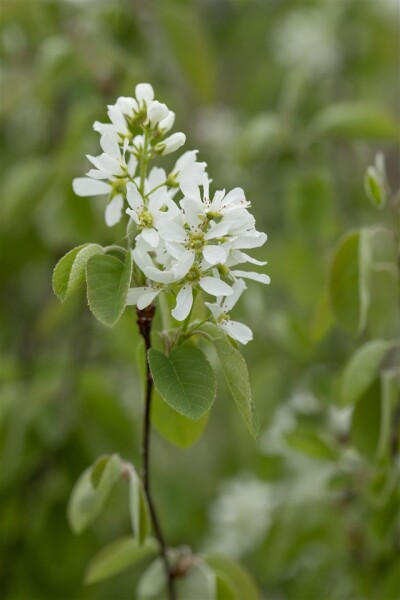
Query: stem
{"points": [[144, 321]]}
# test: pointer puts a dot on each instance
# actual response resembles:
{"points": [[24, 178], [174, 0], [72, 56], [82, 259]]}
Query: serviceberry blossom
{"points": [[183, 239]]}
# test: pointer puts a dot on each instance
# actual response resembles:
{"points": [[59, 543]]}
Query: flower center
{"points": [[194, 274], [119, 186], [146, 219], [196, 241]]}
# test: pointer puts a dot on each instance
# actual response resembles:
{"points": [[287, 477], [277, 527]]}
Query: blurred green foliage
{"points": [[295, 124]]}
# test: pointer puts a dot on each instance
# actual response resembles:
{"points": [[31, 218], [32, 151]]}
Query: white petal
{"points": [[83, 186], [238, 288], [144, 92], [106, 163], [171, 231], [214, 254], [218, 230], [215, 286], [191, 190], [141, 258], [134, 198], [214, 308], [237, 331], [132, 164], [117, 119], [167, 123], [243, 257], [151, 236], [141, 296], [114, 210], [184, 301], [96, 174], [193, 210], [261, 277], [109, 144], [254, 240]]}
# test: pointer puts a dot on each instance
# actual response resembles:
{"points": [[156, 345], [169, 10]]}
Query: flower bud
{"points": [[156, 112], [144, 93], [167, 123], [171, 143]]}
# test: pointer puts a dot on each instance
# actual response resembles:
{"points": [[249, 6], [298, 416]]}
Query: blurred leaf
{"points": [[108, 281], [349, 280], [198, 582], [69, 272], [366, 423], [151, 584], [118, 557], [261, 136], [236, 374], [356, 119], [236, 579], [362, 370], [374, 188], [311, 444], [390, 389], [191, 46], [91, 491], [184, 379], [139, 511]]}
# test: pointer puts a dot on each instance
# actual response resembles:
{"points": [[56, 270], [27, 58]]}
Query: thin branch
{"points": [[144, 321]]}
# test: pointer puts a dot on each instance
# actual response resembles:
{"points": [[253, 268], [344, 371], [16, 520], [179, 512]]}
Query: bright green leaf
{"points": [[361, 370], [350, 120], [118, 557], [184, 379], [236, 374], [349, 281], [236, 579], [69, 272], [174, 427], [108, 281], [91, 491]]}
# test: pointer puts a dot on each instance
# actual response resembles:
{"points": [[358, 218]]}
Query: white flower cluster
{"points": [[184, 238]]}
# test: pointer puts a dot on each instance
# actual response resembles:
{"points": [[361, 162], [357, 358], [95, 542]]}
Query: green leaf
{"points": [[108, 281], [374, 188], [236, 374], [349, 281], [199, 581], [151, 585], [362, 370], [366, 422], [118, 557], [351, 120], [69, 272], [92, 490], [174, 427], [311, 444], [235, 578], [184, 379], [139, 511], [390, 389]]}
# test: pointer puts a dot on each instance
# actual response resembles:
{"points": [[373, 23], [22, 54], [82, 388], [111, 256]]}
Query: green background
{"points": [[255, 105]]}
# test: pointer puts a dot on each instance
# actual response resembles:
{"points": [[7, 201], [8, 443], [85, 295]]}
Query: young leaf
{"points": [[375, 187], [361, 370], [139, 511], [349, 281], [108, 281], [174, 427], [91, 491], [118, 557], [69, 272], [184, 379], [235, 578], [236, 374], [152, 583]]}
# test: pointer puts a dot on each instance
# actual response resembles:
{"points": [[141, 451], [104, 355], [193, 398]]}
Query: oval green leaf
{"points": [[118, 557], [362, 370], [108, 281], [235, 578], [184, 379], [349, 120], [69, 272]]}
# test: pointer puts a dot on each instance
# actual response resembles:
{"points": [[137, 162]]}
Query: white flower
{"points": [[167, 123], [143, 296], [109, 177], [211, 285], [188, 170], [156, 112], [149, 215], [170, 144], [221, 309]]}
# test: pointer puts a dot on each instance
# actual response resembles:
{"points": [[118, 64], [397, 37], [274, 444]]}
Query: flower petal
{"points": [[238, 288], [151, 237], [171, 231], [84, 186], [237, 331], [109, 144], [261, 277], [134, 198], [184, 302], [215, 287], [214, 254], [114, 210]]}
